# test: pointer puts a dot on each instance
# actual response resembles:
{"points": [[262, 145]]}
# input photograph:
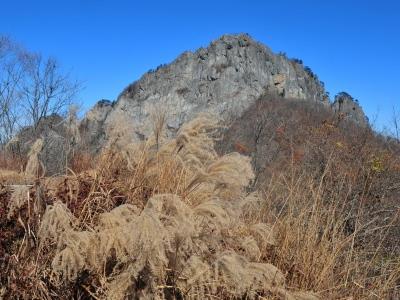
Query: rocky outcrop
{"points": [[54, 132], [92, 127], [22, 142], [224, 78], [349, 108]]}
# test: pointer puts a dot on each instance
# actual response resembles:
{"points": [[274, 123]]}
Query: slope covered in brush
{"points": [[160, 219], [283, 136], [225, 78]]}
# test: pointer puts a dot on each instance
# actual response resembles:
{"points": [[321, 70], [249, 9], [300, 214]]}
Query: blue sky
{"points": [[351, 45]]}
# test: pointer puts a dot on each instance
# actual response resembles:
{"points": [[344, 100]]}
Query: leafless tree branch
{"points": [[32, 87]]}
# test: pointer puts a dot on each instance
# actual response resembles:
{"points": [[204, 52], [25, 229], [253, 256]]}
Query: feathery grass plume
{"points": [[68, 263], [145, 239], [34, 164], [118, 286], [250, 206], [72, 126], [174, 244], [18, 198], [120, 216], [194, 280], [229, 174], [77, 251], [194, 273], [195, 141], [190, 148], [263, 234], [240, 277], [158, 118], [165, 235], [57, 219], [175, 215], [121, 143], [250, 248], [212, 214]]}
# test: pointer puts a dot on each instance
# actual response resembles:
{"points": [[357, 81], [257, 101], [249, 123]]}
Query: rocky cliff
{"points": [[92, 127], [348, 108], [225, 78]]}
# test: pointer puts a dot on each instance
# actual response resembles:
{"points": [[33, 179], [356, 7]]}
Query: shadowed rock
{"points": [[92, 128]]}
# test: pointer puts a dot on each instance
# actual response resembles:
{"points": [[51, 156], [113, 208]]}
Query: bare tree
{"points": [[396, 123], [45, 89], [32, 87], [10, 76]]}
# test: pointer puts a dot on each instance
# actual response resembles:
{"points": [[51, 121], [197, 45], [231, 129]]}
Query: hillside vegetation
{"points": [[190, 217]]}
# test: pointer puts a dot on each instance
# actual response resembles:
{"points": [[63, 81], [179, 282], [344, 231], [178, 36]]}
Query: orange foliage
{"points": [[242, 149]]}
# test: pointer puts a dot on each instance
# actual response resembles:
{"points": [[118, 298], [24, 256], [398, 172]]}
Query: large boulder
{"points": [[54, 132], [22, 142]]}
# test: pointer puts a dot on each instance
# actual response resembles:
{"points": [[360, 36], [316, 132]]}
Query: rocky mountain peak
{"points": [[224, 78]]}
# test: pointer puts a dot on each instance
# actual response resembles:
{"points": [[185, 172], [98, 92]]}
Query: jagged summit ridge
{"points": [[224, 78]]}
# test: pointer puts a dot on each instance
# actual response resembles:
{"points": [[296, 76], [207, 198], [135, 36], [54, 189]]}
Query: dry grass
{"points": [[172, 219], [326, 247], [8, 177], [33, 165]]}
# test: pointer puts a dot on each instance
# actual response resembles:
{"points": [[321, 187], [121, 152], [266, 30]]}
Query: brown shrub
{"points": [[81, 161], [332, 187], [172, 219]]}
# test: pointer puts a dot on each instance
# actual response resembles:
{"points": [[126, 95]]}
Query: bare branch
{"points": [[31, 88]]}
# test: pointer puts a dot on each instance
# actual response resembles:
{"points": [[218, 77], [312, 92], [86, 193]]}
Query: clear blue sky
{"points": [[351, 45]]}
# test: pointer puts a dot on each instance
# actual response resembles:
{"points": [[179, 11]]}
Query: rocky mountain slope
{"points": [[226, 78]]}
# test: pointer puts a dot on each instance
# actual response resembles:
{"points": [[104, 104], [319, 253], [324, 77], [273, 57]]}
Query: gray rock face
{"points": [[92, 129], [53, 131], [22, 142], [348, 108], [225, 78], [55, 152]]}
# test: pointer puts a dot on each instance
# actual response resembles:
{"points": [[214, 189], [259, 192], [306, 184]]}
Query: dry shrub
{"points": [[184, 228], [11, 161], [11, 168], [81, 161], [172, 219], [12, 177], [327, 241], [331, 191], [18, 198]]}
